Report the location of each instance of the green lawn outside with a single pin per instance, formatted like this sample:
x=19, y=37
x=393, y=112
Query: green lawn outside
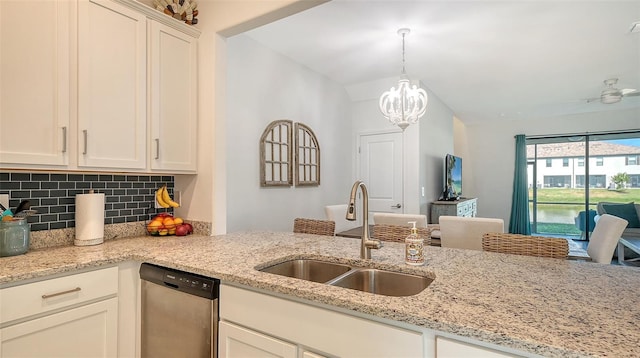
x=559, y=218
x=552, y=195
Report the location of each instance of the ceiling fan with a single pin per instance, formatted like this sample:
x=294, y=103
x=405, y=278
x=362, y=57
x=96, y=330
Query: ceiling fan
x=612, y=94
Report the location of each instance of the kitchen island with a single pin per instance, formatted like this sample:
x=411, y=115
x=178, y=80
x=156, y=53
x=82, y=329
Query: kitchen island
x=539, y=306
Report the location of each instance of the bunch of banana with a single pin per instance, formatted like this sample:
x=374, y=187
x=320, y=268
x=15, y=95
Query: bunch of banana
x=163, y=198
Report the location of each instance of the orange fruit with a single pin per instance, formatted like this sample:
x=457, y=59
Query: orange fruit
x=7, y=218
x=177, y=221
x=163, y=232
x=154, y=226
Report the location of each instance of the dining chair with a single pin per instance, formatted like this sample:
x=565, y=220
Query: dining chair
x=585, y=219
x=604, y=238
x=337, y=214
x=466, y=232
x=399, y=219
x=313, y=226
x=397, y=233
x=517, y=244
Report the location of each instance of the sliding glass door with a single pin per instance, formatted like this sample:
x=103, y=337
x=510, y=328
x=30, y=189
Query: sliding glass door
x=570, y=175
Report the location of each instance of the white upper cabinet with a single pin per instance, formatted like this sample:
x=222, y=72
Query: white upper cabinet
x=111, y=86
x=34, y=83
x=173, y=87
x=97, y=85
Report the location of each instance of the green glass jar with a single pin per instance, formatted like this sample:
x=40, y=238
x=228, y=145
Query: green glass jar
x=15, y=236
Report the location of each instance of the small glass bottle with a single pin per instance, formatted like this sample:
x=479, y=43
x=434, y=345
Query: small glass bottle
x=414, y=247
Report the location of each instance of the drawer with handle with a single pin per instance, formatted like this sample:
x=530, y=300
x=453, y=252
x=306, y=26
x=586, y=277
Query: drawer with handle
x=56, y=293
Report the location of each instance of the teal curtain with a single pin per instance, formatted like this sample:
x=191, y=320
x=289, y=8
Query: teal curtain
x=519, y=220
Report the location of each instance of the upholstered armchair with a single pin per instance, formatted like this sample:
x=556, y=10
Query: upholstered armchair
x=628, y=211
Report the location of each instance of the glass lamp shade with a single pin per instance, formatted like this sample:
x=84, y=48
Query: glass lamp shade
x=405, y=104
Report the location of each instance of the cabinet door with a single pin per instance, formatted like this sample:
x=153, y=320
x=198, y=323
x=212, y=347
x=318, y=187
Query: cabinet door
x=236, y=341
x=173, y=99
x=448, y=348
x=307, y=354
x=34, y=82
x=111, y=86
x=87, y=331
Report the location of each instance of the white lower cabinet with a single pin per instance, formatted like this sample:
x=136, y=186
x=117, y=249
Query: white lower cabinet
x=236, y=341
x=262, y=322
x=449, y=348
x=69, y=316
x=256, y=324
x=307, y=354
x=87, y=331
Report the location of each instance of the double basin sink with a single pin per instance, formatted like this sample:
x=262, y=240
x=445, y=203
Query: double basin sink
x=372, y=280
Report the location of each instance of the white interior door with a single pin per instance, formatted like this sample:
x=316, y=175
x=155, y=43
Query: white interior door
x=381, y=170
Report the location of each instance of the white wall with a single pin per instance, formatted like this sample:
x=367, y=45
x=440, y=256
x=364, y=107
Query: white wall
x=491, y=152
x=204, y=195
x=263, y=86
x=436, y=141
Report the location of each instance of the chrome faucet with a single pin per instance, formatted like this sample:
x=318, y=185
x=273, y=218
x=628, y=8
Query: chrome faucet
x=367, y=243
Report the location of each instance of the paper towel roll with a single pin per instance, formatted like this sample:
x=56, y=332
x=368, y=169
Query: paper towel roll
x=89, y=219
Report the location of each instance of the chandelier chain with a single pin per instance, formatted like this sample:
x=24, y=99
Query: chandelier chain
x=403, y=69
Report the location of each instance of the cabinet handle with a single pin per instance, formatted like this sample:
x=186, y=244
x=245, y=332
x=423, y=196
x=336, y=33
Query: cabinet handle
x=157, y=148
x=64, y=139
x=77, y=289
x=84, y=135
x=397, y=206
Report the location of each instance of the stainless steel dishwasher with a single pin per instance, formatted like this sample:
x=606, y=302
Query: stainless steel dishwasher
x=179, y=313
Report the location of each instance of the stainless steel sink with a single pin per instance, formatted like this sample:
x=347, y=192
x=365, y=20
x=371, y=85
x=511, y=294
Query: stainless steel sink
x=310, y=270
x=383, y=282
x=377, y=281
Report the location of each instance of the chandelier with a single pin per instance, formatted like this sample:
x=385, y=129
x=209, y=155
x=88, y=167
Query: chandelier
x=405, y=104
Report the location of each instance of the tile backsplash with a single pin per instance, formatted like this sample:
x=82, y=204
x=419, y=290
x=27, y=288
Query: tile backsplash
x=128, y=198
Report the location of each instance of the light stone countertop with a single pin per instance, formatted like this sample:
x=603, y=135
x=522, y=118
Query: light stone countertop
x=549, y=307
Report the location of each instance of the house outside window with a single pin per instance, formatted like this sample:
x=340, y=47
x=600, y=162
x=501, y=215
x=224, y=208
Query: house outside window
x=595, y=181
x=632, y=160
x=634, y=180
x=557, y=181
x=565, y=162
x=599, y=161
x=548, y=163
x=581, y=162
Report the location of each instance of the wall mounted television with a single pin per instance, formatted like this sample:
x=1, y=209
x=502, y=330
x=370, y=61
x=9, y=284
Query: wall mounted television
x=453, y=177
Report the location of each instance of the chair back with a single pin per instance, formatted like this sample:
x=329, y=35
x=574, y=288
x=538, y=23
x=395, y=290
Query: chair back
x=337, y=214
x=582, y=219
x=399, y=219
x=313, y=226
x=517, y=244
x=398, y=233
x=605, y=237
x=466, y=233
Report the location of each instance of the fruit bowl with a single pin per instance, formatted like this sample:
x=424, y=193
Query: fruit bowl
x=165, y=224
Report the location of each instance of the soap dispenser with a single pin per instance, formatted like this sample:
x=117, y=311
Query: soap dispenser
x=414, y=247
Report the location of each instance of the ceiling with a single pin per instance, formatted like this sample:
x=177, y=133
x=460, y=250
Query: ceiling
x=486, y=60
